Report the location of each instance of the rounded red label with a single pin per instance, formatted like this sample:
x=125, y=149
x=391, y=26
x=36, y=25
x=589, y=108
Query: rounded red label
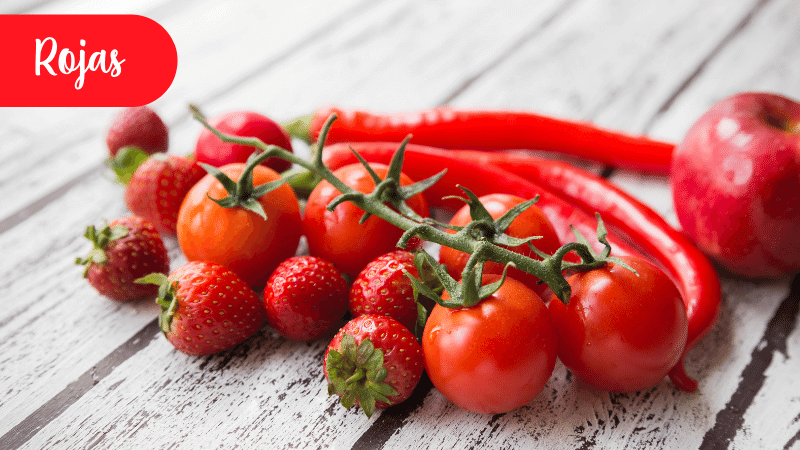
x=84, y=60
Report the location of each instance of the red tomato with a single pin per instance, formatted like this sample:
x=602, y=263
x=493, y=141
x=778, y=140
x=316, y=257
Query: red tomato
x=211, y=150
x=236, y=238
x=621, y=332
x=495, y=356
x=532, y=222
x=336, y=236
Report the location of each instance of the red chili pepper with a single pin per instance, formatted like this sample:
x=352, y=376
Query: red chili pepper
x=580, y=191
x=492, y=130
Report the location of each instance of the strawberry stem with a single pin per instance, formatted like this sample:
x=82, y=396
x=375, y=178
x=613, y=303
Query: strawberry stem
x=100, y=240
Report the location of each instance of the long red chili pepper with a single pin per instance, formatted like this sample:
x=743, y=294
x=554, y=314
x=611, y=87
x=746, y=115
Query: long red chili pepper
x=493, y=130
x=690, y=268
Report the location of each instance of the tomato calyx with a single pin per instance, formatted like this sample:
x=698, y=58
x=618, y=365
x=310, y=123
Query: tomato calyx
x=484, y=241
x=388, y=190
x=242, y=193
x=167, y=298
x=100, y=240
x=356, y=373
x=484, y=227
x=467, y=293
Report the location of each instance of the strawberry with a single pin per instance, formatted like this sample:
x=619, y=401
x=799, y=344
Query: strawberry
x=206, y=308
x=139, y=127
x=373, y=361
x=158, y=187
x=124, y=250
x=382, y=288
x=134, y=134
x=304, y=297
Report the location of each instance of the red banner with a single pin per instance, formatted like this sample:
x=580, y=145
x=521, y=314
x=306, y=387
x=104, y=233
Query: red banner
x=84, y=60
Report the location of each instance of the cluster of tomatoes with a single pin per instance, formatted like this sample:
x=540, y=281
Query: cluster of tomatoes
x=622, y=330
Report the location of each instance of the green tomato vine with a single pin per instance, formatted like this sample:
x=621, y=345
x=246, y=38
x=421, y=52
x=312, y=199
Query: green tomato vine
x=483, y=238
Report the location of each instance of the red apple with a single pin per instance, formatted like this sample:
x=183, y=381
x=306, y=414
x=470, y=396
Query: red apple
x=735, y=182
x=211, y=150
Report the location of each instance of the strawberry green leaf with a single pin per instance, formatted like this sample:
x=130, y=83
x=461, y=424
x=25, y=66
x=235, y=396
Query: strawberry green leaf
x=356, y=373
x=126, y=161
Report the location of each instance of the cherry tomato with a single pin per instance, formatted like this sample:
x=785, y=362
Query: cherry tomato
x=337, y=236
x=532, y=222
x=620, y=332
x=236, y=238
x=495, y=356
x=211, y=150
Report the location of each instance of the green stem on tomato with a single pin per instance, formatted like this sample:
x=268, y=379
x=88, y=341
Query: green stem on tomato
x=549, y=270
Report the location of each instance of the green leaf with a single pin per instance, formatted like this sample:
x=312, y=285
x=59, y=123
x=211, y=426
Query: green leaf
x=348, y=399
x=581, y=239
x=375, y=178
x=263, y=189
x=118, y=232
x=126, y=161
x=348, y=345
x=489, y=289
x=364, y=352
x=511, y=241
x=154, y=278
x=367, y=403
x=422, y=318
x=253, y=205
x=418, y=187
x=383, y=389
x=225, y=180
x=476, y=209
x=374, y=362
x=504, y=221
x=300, y=127
x=396, y=165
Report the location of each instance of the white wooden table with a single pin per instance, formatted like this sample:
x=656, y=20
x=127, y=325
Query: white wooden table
x=78, y=371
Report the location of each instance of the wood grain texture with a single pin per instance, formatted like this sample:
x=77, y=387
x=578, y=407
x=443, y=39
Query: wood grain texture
x=53, y=148
x=81, y=372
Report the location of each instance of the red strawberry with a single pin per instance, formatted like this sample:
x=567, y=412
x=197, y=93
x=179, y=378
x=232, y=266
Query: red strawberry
x=304, y=297
x=124, y=250
x=206, y=308
x=158, y=187
x=138, y=127
x=382, y=288
x=373, y=361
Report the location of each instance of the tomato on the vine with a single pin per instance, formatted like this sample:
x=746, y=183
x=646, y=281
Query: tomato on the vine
x=239, y=239
x=620, y=331
x=532, y=222
x=495, y=356
x=338, y=237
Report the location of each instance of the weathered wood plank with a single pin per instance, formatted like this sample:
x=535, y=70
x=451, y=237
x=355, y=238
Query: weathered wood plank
x=270, y=393
x=67, y=360
x=52, y=148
